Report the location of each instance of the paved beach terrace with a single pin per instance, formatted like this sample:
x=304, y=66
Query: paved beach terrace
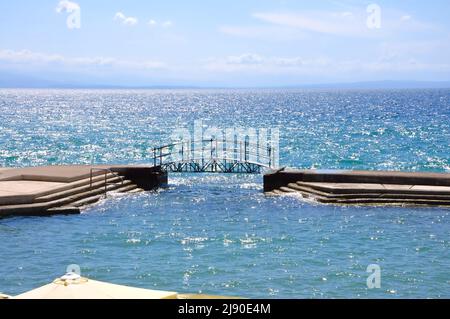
x=52, y=190
x=362, y=187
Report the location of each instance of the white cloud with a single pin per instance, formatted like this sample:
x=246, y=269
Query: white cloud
x=244, y=59
x=285, y=25
x=258, y=64
x=26, y=57
x=128, y=21
x=167, y=24
x=67, y=6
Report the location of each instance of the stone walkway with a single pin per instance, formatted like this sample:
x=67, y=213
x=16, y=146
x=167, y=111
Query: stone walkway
x=362, y=187
x=64, y=189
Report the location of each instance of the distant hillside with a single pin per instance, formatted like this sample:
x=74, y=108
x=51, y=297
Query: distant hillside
x=382, y=85
x=14, y=80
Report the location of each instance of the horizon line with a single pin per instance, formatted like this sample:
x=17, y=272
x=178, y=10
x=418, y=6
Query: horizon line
x=337, y=85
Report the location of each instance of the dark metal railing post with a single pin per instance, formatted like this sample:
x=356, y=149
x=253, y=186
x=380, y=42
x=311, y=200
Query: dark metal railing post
x=182, y=151
x=203, y=154
x=224, y=151
x=106, y=171
x=212, y=149
x=154, y=157
x=269, y=150
x=245, y=153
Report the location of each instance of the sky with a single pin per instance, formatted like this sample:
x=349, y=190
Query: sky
x=232, y=43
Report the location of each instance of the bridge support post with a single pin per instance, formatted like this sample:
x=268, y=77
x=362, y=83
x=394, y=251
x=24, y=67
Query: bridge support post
x=245, y=150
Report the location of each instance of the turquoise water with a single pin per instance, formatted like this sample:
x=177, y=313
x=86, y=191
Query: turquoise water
x=219, y=234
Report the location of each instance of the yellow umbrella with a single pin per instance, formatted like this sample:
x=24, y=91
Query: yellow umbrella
x=73, y=286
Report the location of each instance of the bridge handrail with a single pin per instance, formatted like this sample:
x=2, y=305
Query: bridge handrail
x=262, y=154
x=210, y=140
x=105, y=172
x=199, y=160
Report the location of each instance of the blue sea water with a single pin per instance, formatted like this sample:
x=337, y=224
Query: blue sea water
x=219, y=234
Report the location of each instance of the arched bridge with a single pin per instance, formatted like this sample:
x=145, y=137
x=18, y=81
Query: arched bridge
x=215, y=156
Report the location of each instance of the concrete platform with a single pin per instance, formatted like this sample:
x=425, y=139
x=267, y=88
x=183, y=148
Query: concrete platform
x=25, y=187
x=362, y=187
x=21, y=192
x=61, y=189
x=352, y=188
x=61, y=174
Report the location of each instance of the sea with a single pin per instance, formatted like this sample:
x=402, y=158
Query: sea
x=217, y=233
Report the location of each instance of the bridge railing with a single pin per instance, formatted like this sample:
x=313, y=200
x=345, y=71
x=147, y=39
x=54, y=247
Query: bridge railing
x=191, y=151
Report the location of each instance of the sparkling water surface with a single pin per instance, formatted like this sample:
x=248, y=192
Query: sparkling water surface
x=219, y=234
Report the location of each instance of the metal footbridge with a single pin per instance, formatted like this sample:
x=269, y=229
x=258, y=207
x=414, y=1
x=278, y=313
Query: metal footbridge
x=215, y=156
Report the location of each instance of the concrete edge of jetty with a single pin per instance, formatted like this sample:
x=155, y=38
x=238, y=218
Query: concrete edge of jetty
x=50, y=190
x=378, y=188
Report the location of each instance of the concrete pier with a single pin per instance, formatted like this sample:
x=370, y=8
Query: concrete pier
x=362, y=187
x=52, y=190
